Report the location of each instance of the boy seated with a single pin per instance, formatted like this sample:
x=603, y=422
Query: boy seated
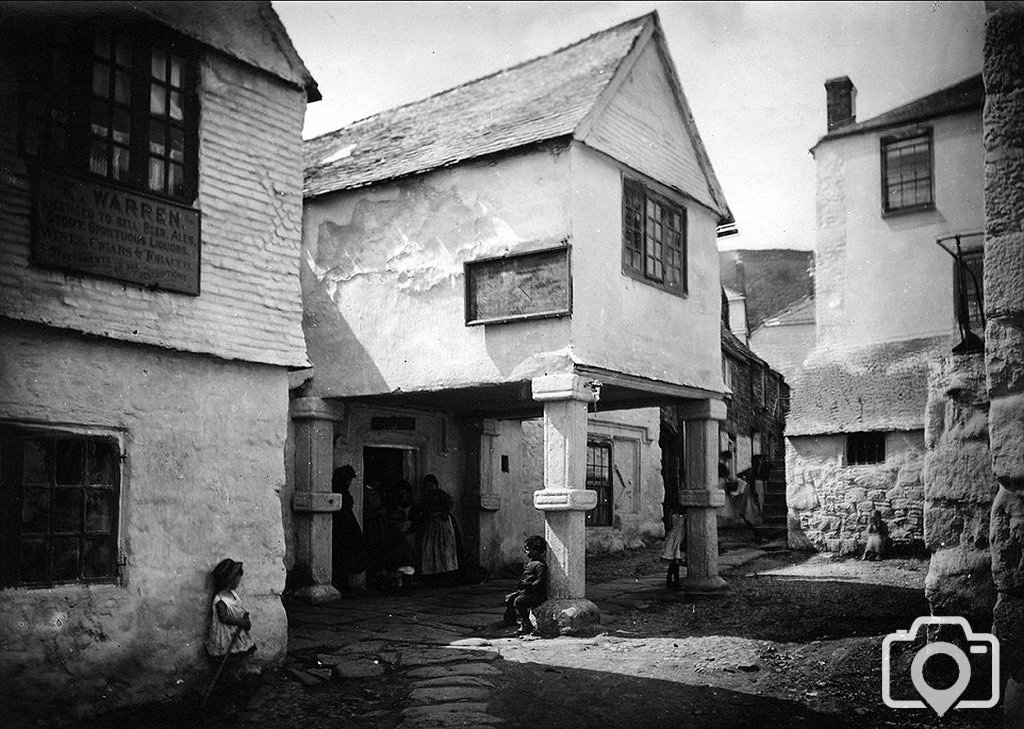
x=532, y=589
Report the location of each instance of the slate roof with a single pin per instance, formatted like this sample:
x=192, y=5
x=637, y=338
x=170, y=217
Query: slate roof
x=540, y=100
x=880, y=387
x=800, y=311
x=963, y=96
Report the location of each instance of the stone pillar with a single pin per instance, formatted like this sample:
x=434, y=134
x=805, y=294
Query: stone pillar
x=1003, y=123
x=314, y=503
x=702, y=496
x=958, y=491
x=565, y=501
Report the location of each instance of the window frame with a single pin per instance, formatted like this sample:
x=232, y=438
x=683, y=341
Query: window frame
x=13, y=489
x=631, y=248
x=974, y=260
x=858, y=448
x=885, y=142
x=79, y=101
x=605, y=491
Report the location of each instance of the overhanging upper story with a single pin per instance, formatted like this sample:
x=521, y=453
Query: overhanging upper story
x=556, y=217
x=152, y=165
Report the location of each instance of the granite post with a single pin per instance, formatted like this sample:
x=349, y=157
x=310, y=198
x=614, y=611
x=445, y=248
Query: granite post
x=565, y=501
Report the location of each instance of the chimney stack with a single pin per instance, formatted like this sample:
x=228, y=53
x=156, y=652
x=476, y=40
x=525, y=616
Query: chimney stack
x=840, y=102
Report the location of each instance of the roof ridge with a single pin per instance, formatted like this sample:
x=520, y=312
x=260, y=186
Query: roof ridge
x=969, y=79
x=640, y=19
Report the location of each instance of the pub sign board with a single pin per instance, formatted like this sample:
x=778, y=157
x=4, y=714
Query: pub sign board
x=88, y=227
x=532, y=285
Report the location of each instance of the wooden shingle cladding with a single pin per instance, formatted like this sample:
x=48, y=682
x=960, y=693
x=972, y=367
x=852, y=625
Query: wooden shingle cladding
x=249, y=196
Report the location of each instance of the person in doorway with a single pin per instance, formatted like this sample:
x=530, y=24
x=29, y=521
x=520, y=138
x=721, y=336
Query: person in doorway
x=532, y=589
x=754, y=478
x=230, y=623
x=439, y=552
x=675, y=547
x=348, y=550
x=737, y=490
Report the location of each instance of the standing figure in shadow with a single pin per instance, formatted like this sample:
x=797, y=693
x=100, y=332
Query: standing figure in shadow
x=439, y=549
x=348, y=551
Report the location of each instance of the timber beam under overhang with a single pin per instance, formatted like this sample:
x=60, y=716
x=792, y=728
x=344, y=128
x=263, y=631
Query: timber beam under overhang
x=514, y=400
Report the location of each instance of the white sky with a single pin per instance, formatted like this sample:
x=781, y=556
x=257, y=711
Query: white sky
x=753, y=72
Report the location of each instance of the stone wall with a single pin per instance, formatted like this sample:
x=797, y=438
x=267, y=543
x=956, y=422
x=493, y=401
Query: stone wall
x=1004, y=307
x=203, y=441
x=958, y=488
x=830, y=502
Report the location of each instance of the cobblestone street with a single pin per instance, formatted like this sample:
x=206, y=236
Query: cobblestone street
x=806, y=654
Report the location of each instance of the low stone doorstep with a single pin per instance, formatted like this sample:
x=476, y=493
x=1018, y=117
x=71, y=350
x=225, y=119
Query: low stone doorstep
x=470, y=643
x=412, y=658
x=448, y=694
x=455, y=680
x=444, y=710
x=458, y=669
x=361, y=669
x=305, y=677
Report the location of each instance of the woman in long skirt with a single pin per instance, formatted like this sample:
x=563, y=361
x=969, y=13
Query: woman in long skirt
x=439, y=552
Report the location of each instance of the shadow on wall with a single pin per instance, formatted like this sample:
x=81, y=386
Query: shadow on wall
x=335, y=351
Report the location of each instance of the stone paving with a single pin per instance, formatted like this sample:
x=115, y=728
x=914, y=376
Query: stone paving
x=442, y=644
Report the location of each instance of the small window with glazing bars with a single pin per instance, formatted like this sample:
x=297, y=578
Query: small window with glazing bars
x=907, y=175
x=599, y=479
x=653, y=239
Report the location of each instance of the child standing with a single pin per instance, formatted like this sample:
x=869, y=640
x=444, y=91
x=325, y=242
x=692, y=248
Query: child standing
x=532, y=589
x=230, y=624
x=675, y=547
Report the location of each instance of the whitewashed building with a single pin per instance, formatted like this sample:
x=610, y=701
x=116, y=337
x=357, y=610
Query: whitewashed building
x=150, y=311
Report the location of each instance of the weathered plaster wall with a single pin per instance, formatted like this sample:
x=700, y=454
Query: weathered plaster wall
x=204, y=440
x=830, y=503
x=637, y=494
x=622, y=324
x=250, y=198
x=1004, y=307
x=856, y=247
x=383, y=281
x=958, y=491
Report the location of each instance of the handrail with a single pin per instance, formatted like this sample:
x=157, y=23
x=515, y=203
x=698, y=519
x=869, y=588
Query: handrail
x=969, y=341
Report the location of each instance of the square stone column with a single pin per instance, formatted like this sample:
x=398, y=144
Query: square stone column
x=565, y=500
x=314, y=503
x=702, y=496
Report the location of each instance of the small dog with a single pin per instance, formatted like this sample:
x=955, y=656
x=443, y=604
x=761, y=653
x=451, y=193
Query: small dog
x=878, y=538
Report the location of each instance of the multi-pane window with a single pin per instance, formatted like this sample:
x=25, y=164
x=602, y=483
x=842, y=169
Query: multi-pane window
x=58, y=507
x=116, y=105
x=599, y=479
x=654, y=238
x=865, y=448
x=907, y=172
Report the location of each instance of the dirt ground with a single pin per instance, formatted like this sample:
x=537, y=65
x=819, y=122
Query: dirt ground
x=796, y=641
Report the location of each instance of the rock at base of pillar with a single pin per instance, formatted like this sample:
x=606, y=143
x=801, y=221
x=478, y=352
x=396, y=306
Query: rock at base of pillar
x=713, y=585
x=567, y=616
x=318, y=594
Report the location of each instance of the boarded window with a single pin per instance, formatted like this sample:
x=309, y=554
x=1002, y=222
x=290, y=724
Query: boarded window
x=599, y=479
x=59, y=516
x=865, y=448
